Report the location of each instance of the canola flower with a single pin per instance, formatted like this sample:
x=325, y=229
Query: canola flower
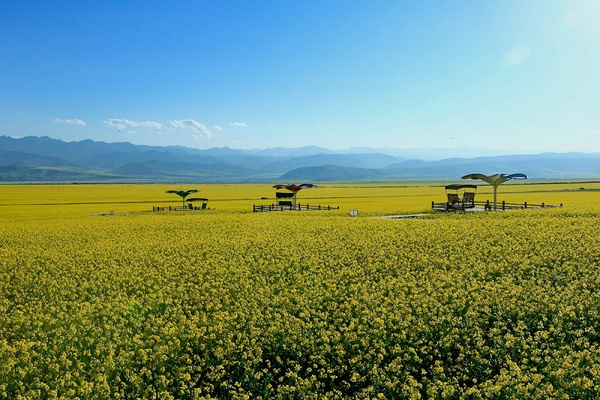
x=297, y=305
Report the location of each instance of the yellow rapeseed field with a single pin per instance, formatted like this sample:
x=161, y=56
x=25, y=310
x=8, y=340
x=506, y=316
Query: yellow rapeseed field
x=226, y=303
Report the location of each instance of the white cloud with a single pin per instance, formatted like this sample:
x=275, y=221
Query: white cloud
x=217, y=128
x=191, y=125
x=123, y=123
x=238, y=124
x=154, y=125
x=116, y=123
x=73, y=121
x=516, y=55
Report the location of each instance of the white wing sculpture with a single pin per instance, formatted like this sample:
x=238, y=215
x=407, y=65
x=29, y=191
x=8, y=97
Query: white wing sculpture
x=495, y=180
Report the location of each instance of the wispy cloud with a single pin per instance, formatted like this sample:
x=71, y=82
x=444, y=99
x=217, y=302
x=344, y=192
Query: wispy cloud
x=74, y=121
x=117, y=123
x=516, y=55
x=191, y=125
x=123, y=123
x=217, y=128
x=154, y=125
x=238, y=124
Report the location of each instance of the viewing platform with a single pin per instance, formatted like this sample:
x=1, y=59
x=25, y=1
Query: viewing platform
x=486, y=206
x=461, y=197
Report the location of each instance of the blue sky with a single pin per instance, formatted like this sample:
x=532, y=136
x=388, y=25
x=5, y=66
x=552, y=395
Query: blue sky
x=519, y=76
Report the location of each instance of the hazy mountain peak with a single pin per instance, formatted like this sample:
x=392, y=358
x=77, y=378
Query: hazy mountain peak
x=25, y=159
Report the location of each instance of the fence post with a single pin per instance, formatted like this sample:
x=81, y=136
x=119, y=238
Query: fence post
x=543, y=205
x=503, y=205
x=525, y=204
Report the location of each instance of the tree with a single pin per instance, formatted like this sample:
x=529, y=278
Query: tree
x=183, y=194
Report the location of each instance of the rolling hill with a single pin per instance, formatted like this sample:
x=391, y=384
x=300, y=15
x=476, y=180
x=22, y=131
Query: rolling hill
x=43, y=159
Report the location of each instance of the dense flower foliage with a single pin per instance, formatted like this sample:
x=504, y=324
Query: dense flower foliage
x=230, y=304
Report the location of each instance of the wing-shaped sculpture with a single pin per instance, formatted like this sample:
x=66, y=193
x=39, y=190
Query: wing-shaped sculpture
x=495, y=180
x=307, y=186
x=474, y=176
x=292, y=187
x=183, y=194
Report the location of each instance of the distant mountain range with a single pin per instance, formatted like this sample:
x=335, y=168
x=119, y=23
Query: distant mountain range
x=43, y=159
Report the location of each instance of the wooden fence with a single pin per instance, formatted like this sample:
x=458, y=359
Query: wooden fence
x=178, y=208
x=487, y=206
x=298, y=207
